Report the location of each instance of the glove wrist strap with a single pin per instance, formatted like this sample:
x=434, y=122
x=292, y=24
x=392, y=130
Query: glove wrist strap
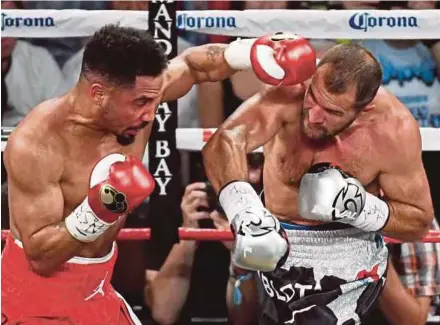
x=84, y=225
x=236, y=197
x=238, y=54
x=374, y=215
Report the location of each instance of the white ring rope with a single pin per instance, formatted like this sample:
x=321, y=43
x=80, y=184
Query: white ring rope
x=328, y=24
x=194, y=139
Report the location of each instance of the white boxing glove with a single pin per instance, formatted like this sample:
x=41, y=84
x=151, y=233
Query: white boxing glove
x=260, y=243
x=328, y=194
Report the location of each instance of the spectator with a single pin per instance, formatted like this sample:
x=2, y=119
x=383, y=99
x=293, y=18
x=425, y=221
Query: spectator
x=190, y=278
x=30, y=76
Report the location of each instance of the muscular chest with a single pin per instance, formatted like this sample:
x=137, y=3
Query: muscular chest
x=354, y=154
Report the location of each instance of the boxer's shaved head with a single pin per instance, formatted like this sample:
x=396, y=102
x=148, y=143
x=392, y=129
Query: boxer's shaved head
x=352, y=65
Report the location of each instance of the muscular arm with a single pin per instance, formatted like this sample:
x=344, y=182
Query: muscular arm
x=36, y=205
x=246, y=312
x=211, y=110
x=395, y=298
x=406, y=187
x=167, y=289
x=193, y=66
x=252, y=125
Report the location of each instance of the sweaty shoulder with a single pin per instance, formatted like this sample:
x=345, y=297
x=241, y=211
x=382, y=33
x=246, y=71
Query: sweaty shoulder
x=396, y=126
x=34, y=149
x=286, y=102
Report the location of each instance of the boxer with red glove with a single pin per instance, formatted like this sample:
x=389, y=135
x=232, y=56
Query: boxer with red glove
x=118, y=184
x=278, y=59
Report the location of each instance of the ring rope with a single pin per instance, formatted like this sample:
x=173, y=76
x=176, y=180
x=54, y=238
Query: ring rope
x=330, y=24
x=194, y=139
x=217, y=235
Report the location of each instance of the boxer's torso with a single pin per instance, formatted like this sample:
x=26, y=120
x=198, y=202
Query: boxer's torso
x=81, y=149
x=359, y=150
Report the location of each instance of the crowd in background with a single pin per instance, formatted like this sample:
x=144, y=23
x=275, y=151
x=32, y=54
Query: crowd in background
x=34, y=70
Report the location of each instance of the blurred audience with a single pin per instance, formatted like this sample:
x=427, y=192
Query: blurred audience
x=30, y=76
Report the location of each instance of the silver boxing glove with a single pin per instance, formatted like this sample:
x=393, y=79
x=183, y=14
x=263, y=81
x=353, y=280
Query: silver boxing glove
x=259, y=241
x=328, y=194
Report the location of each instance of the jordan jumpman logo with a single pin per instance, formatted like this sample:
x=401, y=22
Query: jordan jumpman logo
x=99, y=288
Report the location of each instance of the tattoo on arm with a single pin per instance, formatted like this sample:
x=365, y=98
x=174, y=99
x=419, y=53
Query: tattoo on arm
x=214, y=52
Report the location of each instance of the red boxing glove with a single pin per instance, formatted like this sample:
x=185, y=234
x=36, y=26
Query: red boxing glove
x=283, y=59
x=128, y=184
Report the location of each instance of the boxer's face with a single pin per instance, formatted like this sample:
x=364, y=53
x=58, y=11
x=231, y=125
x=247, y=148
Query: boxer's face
x=325, y=114
x=128, y=110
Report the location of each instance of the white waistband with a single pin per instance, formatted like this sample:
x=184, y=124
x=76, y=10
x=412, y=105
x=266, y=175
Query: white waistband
x=83, y=260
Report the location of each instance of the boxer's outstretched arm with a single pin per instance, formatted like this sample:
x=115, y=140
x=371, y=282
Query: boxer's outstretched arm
x=193, y=66
x=36, y=204
x=405, y=185
x=253, y=124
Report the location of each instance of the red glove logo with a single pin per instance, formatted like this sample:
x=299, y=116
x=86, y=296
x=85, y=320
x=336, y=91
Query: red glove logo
x=113, y=200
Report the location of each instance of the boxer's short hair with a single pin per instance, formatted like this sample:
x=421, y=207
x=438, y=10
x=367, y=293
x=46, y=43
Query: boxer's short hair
x=352, y=64
x=120, y=54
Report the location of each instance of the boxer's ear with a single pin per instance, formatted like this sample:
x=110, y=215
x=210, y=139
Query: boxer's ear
x=97, y=93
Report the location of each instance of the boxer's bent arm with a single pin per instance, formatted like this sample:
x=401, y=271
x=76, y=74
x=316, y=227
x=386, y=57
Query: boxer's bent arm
x=167, y=291
x=36, y=206
x=245, y=313
x=193, y=66
x=405, y=186
x=395, y=298
x=252, y=125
